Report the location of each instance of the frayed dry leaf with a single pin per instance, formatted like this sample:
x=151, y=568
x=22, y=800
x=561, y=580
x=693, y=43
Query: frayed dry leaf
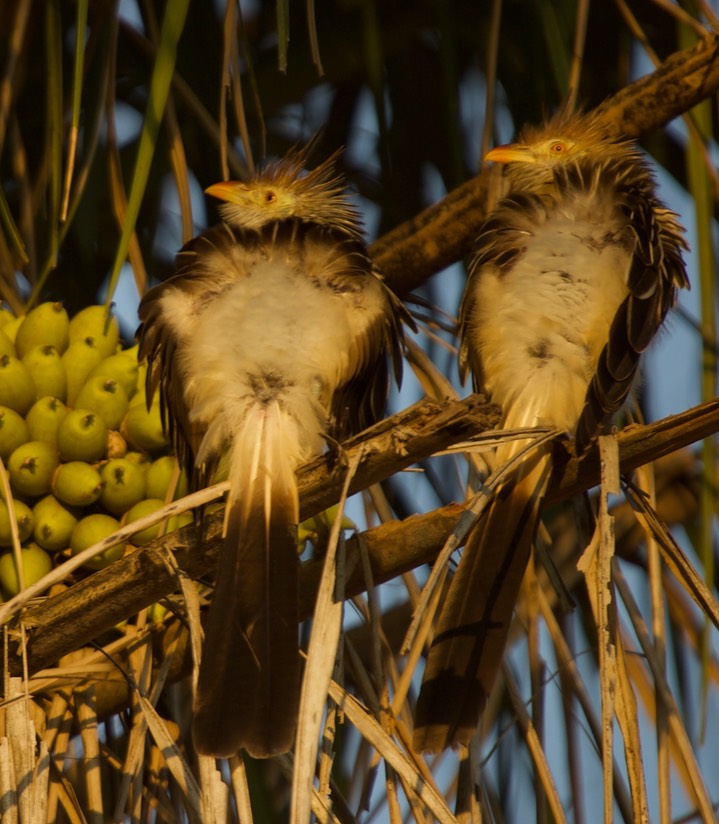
x=432, y=381
x=413, y=655
x=57, y=739
x=321, y=657
x=215, y=794
x=62, y=792
x=595, y=564
x=609, y=460
x=490, y=439
x=87, y=719
x=329, y=732
x=318, y=670
x=88, y=662
x=673, y=555
x=575, y=684
x=378, y=738
x=133, y=763
x=390, y=785
x=141, y=663
x=454, y=540
x=240, y=788
x=20, y=732
x=191, y=598
x=676, y=727
x=176, y=762
x=8, y=785
x=652, y=698
x=628, y=718
x=646, y=479
x=321, y=810
x=622, y=695
x=41, y=782
x=534, y=745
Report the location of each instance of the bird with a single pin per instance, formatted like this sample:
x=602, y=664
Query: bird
x=274, y=337
x=571, y=277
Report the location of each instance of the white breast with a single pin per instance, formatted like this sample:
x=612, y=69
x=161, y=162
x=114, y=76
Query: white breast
x=273, y=333
x=541, y=325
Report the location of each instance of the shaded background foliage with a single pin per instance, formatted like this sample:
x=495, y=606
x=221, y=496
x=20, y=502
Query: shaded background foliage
x=415, y=69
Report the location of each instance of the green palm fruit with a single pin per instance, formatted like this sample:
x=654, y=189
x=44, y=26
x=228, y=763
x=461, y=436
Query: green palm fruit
x=317, y=528
x=82, y=436
x=142, y=428
x=156, y=613
x=184, y=519
x=36, y=563
x=123, y=368
x=23, y=519
x=106, y=397
x=13, y=431
x=140, y=396
x=91, y=530
x=159, y=475
x=142, y=509
x=31, y=467
x=17, y=389
x=44, y=418
x=124, y=485
x=47, y=323
x=80, y=358
x=7, y=347
x=142, y=459
x=95, y=322
x=47, y=371
x=329, y=516
x=76, y=483
x=53, y=523
x=12, y=326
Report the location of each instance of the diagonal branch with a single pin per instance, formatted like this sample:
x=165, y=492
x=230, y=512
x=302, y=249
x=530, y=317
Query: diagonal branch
x=67, y=621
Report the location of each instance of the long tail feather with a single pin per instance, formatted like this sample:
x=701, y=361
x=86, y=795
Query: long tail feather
x=467, y=650
x=248, y=689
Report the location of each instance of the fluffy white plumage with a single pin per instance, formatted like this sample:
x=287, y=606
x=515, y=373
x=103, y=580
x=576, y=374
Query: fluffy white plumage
x=573, y=274
x=274, y=333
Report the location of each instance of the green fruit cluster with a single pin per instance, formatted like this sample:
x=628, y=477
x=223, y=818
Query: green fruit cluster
x=82, y=451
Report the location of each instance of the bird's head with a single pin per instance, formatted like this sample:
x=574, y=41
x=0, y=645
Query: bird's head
x=283, y=189
x=532, y=160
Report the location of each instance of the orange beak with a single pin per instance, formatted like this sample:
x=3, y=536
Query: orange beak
x=227, y=190
x=509, y=153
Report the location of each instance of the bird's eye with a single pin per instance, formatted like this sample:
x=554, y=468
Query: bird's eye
x=558, y=147
x=270, y=197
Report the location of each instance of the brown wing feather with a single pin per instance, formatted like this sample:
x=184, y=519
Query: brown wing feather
x=656, y=271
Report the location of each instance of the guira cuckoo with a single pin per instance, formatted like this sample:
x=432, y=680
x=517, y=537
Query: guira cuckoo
x=274, y=332
x=572, y=276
